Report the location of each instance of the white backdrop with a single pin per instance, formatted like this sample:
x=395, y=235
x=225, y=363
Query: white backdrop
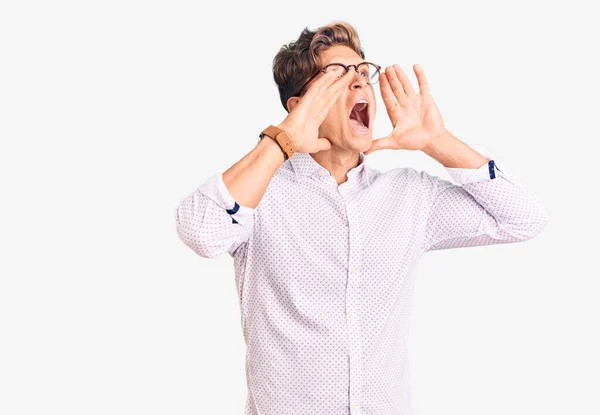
x=112, y=112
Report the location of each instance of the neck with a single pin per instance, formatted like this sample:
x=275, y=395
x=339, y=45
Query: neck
x=338, y=163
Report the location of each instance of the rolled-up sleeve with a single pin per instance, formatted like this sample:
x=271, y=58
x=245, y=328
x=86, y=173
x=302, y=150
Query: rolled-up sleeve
x=210, y=221
x=487, y=205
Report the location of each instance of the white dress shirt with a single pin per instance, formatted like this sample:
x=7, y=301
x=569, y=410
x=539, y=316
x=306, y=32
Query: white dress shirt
x=325, y=273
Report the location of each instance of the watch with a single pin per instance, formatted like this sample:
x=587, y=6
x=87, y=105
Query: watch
x=282, y=138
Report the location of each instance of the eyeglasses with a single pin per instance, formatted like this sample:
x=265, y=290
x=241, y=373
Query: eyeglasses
x=367, y=69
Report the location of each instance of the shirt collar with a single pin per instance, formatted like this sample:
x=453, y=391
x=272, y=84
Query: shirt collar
x=304, y=165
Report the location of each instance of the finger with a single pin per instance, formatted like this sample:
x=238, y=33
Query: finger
x=422, y=79
x=313, y=98
x=390, y=72
x=404, y=80
x=323, y=80
x=380, y=144
x=386, y=92
x=323, y=144
x=331, y=91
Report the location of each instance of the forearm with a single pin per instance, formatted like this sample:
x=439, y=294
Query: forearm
x=248, y=179
x=452, y=152
x=484, y=210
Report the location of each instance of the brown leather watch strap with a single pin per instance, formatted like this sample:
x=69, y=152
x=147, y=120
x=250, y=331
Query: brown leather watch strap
x=282, y=138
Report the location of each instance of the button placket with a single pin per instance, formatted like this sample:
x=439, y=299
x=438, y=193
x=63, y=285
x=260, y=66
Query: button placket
x=352, y=297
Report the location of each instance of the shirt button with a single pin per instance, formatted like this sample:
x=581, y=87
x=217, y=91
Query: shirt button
x=324, y=173
x=350, y=315
x=353, y=227
x=352, y=269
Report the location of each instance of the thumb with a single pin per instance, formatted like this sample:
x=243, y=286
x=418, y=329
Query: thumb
x=323, y=144
x=380, y=144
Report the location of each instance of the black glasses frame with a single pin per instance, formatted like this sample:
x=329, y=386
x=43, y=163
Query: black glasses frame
x=346, y=67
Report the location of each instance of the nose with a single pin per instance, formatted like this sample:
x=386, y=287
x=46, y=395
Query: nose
x=358, y=81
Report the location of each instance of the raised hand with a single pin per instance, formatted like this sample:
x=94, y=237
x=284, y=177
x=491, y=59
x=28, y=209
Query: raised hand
x=304, y=120
x=415, y=118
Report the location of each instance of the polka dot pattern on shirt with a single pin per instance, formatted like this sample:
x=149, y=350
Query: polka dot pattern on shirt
x=325, y=272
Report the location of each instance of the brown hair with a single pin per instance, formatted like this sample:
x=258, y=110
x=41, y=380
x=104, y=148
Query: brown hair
x=297, y=61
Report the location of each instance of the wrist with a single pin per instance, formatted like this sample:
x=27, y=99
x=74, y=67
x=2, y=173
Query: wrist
x=285, y=127
x=272, y=148
x=436, y=140
x=281, y=135
x=290, y=131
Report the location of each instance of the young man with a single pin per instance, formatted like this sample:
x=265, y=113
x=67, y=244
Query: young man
x=325, y=247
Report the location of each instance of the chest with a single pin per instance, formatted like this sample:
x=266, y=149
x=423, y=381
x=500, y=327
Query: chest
x=310, y=236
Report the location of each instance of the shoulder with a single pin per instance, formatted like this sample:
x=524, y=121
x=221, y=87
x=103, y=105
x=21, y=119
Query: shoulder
x=406, y=176
x=411, y=181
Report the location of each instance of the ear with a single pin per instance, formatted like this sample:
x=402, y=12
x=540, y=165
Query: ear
x=291, y=103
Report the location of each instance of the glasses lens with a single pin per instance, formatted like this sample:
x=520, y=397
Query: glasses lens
x=369, y=71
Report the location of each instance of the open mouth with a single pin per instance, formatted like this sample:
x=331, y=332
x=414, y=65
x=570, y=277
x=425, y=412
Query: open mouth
x=359, y=116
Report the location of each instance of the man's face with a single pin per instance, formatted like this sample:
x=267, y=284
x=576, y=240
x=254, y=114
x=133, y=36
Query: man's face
x=338, y=126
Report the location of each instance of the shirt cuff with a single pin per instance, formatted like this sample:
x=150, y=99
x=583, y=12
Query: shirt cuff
x=214, y=188
x=488, y=171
